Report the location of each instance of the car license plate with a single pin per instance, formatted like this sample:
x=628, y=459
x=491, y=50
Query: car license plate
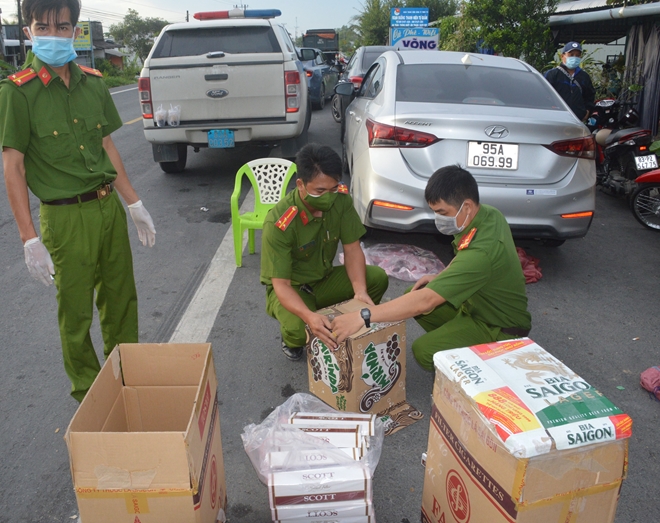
x=646, y=162
x=221, y=138
x=489, y=155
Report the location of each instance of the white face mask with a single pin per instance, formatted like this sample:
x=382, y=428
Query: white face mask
x=447, y=224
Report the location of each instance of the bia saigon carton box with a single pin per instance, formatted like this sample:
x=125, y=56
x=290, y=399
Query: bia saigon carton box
x=516, y=436
x=367, y=373
x=145, y=445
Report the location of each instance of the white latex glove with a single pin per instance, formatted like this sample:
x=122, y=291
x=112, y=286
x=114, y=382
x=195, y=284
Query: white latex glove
x=144, y=223
x=38, y=261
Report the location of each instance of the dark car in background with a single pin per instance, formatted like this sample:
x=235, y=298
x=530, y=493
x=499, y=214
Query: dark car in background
x=354, y=72
x=322, y=75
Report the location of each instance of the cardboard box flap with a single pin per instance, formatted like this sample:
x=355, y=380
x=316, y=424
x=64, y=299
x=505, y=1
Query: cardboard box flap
x=532, y=401
x=352, y=306
x=128, y=460
x=163, y=364
x=99, y=401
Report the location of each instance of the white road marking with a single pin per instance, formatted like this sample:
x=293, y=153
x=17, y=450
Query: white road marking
x=124, y=91
x=198, y=319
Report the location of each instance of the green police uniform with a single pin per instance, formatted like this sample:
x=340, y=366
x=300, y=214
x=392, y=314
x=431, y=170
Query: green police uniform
x=60, y=131
x=485, y=291
x=298, y=247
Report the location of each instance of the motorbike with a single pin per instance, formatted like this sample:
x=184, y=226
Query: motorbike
x=645, y=200
x=624, y=164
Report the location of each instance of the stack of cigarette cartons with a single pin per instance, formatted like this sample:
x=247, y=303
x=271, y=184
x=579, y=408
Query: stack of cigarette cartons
x=328, y=483
x=367, y=372
x=518, y=437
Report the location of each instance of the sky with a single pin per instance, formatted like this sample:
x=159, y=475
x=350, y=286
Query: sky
x=297, y=15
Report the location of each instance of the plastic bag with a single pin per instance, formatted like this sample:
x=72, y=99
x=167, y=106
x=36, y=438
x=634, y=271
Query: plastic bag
x=160, y=116
x=405, y=262
x=174, y=115
x=530, y=266
x=650, y=380
x=276, y=435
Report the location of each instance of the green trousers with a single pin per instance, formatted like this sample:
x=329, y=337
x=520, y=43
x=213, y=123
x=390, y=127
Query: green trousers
x=334, y=288
x=89, y=245
x=450, y=328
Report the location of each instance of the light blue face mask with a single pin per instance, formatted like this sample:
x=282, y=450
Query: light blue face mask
x=572, y=62
x=53, y=50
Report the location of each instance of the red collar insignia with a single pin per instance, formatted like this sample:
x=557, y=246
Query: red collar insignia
x=342, y=188
x=304, y=218
x=465, y=241
x=44, y=75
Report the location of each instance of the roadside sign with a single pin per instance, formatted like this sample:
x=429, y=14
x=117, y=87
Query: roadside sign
x=409, y=16
x=84, y=40
x=414, y=38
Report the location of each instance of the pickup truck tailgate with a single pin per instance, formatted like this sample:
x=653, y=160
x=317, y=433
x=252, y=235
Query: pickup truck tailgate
x=235, y=87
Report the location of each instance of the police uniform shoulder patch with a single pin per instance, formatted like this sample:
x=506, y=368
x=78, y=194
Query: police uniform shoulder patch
x=286, y=219
x=89, y=70
x=465, y=241
x=23, y=77
x=342, y=188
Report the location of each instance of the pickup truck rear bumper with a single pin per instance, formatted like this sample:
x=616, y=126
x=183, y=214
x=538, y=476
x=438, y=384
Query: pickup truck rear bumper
x=252, y=131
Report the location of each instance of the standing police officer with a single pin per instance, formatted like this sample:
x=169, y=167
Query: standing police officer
x=56, y=118
x=299, y=242
x=480, y=296
x=572, y=83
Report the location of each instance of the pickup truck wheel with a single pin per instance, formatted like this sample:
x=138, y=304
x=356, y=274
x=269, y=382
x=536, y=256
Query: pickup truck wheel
x=180, y=164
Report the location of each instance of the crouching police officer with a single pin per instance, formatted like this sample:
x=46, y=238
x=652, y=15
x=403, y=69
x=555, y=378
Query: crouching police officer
x=299, y=242
x=480, y=296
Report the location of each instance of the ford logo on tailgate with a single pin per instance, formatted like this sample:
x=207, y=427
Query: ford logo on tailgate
x=217, y=93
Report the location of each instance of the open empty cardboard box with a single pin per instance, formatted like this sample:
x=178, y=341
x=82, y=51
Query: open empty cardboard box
x=145, y=444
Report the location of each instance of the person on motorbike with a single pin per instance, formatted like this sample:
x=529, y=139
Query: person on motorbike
x=573, y=83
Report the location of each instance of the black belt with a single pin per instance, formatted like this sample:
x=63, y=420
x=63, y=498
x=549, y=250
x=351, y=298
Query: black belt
x=515, y=331
x=98, y=194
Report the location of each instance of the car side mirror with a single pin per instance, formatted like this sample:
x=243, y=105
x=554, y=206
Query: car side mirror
x=345, y=89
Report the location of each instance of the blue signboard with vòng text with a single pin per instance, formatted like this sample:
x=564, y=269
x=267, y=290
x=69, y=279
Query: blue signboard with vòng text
x=409, y=17
x=414, y=38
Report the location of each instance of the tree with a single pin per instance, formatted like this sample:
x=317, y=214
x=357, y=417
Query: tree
x=348, y=38
x=517, y=28
x=373, y=23
x=137, y=33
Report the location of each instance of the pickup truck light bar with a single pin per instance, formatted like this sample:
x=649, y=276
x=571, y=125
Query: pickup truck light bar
x=238, y=13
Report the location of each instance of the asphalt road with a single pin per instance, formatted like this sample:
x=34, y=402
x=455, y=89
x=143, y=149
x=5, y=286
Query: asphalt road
x=595, y=308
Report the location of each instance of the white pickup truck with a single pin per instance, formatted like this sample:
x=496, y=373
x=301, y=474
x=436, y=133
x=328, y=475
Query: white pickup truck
x=235, y=79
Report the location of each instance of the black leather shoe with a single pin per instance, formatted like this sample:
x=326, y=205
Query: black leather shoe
x=293, y=353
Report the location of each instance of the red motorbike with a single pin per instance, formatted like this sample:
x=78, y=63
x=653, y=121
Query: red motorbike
x=645, y=201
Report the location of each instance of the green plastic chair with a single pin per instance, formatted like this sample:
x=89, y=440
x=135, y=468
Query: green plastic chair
x=269, y=178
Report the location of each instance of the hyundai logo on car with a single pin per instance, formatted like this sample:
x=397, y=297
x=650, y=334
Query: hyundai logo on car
x=496, y=131
x=217, y=93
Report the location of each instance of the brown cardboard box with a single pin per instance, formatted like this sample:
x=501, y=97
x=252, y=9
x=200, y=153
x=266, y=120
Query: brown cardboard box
x=145, y=444
x=472, y=475
x=367, y=373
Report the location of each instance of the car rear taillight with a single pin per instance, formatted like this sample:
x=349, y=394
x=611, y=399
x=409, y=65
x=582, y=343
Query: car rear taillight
x=309, y=73
x=356, y=81
x=144, y=90
x=383, y=135
x=575, y=148
x=292, y=91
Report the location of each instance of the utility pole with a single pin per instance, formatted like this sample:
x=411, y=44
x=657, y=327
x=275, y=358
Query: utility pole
x=295, y=30
x=21, y=36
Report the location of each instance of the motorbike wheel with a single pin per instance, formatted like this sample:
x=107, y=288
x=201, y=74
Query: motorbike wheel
x=336, y=108
x=645, y=205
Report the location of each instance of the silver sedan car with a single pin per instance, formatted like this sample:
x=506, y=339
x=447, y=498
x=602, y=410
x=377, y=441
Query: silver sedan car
x=417, y=111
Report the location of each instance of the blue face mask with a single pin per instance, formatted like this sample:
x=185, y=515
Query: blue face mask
x=53, y=50
x=572, y=62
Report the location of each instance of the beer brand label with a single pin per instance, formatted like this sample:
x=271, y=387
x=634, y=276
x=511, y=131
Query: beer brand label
x=381, y=369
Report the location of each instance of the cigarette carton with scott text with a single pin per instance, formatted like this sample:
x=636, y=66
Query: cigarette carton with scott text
x=145, y=444
x=367, y=372
x=518, y=437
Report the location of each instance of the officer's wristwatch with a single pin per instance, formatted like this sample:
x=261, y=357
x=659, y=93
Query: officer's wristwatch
x=366, y=316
